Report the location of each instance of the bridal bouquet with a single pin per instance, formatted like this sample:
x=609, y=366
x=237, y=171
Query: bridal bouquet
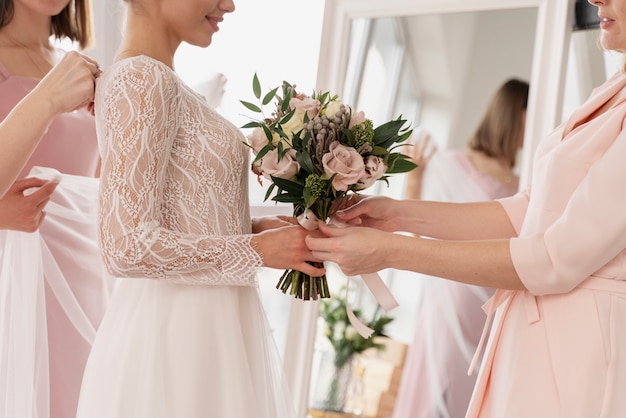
x=315, y=150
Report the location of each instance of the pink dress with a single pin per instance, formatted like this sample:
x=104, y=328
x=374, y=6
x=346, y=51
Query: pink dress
x=559, y=349
x=43, y=352
x=450, y=320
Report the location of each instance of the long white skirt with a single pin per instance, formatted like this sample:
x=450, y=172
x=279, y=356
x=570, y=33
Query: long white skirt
x=179, y=351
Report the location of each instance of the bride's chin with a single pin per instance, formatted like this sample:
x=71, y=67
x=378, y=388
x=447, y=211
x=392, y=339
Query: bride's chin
x=203, y=43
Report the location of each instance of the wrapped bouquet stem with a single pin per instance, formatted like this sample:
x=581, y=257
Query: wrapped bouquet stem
x=316, y=151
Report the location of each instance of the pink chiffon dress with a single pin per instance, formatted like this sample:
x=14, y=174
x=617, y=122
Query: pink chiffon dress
x=53, y=290
x=450, y=319
x=559, y=348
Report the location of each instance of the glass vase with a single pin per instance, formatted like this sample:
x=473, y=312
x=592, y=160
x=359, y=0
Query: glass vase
x=331, y=386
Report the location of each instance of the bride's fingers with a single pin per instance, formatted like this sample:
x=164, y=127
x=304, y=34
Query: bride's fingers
x=311, y=270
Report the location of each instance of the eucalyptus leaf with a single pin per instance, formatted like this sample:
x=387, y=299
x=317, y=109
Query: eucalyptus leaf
x=256, y=86
x=269, y=96
x=252, y=125
x=251, y=106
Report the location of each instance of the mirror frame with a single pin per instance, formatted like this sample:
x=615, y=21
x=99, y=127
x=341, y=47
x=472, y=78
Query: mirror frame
x=554, y=25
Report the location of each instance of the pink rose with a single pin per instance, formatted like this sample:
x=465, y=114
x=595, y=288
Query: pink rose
x=346, y=163
x=307, y=104
x=269, y=165
x=375, y=168
x=257, y=139
x=356, y=118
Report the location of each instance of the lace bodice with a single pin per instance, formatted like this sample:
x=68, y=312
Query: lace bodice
x=174, y=189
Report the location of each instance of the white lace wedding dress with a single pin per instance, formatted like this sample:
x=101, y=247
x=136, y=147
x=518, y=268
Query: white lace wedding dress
x=185, y=335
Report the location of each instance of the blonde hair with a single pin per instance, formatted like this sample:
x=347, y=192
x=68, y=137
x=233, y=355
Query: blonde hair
x=498, y=134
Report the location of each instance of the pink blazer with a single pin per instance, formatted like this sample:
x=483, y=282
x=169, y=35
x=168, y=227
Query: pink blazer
x=559, y=349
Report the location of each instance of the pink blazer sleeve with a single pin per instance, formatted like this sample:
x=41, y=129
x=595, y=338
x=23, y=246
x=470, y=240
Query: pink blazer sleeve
x=515, y=207
x=589, y=237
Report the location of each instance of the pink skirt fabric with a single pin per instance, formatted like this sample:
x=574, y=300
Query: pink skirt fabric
x=556, y=355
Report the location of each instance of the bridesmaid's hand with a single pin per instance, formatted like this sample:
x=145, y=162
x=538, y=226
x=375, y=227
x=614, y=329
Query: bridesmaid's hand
x=25, y=213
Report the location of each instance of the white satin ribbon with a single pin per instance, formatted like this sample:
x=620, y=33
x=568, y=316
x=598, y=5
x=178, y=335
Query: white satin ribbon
x=374, y=282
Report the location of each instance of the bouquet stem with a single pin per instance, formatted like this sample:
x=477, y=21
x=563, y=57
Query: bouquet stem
x=303, y=286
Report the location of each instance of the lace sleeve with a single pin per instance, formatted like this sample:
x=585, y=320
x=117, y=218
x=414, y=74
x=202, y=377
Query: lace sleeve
x=138, y=120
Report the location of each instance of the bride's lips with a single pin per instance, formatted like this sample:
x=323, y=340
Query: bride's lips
x=214, y=21
x=605, y=22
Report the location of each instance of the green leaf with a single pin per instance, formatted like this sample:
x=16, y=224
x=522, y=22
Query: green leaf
x=263, y=151
x=287, y=117
x=287, y=198
x=251, y=106
x=269, y=192
x=251, y=125
x=399, y=165
x=304, y=159
x=288, y=185
x=256, y=86
x=286, y=100
x=387, y=133
x=269, y=96
x=268, y=132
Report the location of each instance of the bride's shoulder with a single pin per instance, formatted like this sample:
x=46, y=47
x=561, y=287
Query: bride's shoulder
x=139, y=73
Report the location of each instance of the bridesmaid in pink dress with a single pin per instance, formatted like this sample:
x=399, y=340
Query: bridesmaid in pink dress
x=555, y=252
x=67, y=87
x=41, y=366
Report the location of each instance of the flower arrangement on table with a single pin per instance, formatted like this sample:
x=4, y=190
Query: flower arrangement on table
x=338, y=368
x=315, y=150
x=346, y=342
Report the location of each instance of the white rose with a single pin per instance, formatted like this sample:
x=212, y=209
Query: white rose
x=333, y=108
x=294, y=125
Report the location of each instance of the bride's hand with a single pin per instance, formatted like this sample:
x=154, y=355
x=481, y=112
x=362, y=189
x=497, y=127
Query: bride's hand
x=284, y=248
x=271, y=222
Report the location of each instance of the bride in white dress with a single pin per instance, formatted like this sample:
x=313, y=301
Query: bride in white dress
x=185, y=335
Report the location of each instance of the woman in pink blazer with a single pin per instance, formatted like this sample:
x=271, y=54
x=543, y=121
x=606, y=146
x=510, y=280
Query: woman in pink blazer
x=556, y=252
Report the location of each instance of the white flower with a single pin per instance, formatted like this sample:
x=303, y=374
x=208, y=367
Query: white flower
x=294, y=125
x=333, y=108
x=338, y=332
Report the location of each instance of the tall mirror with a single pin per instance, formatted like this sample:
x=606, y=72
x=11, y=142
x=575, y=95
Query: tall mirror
x=437, y=63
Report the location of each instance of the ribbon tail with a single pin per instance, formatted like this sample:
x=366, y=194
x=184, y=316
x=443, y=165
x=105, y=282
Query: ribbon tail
x=381, y=292
x=363, y=330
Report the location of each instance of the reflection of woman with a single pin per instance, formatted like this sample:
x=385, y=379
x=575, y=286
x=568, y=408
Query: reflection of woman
x=185, y=334
x=52, y=288
x=435, y=382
